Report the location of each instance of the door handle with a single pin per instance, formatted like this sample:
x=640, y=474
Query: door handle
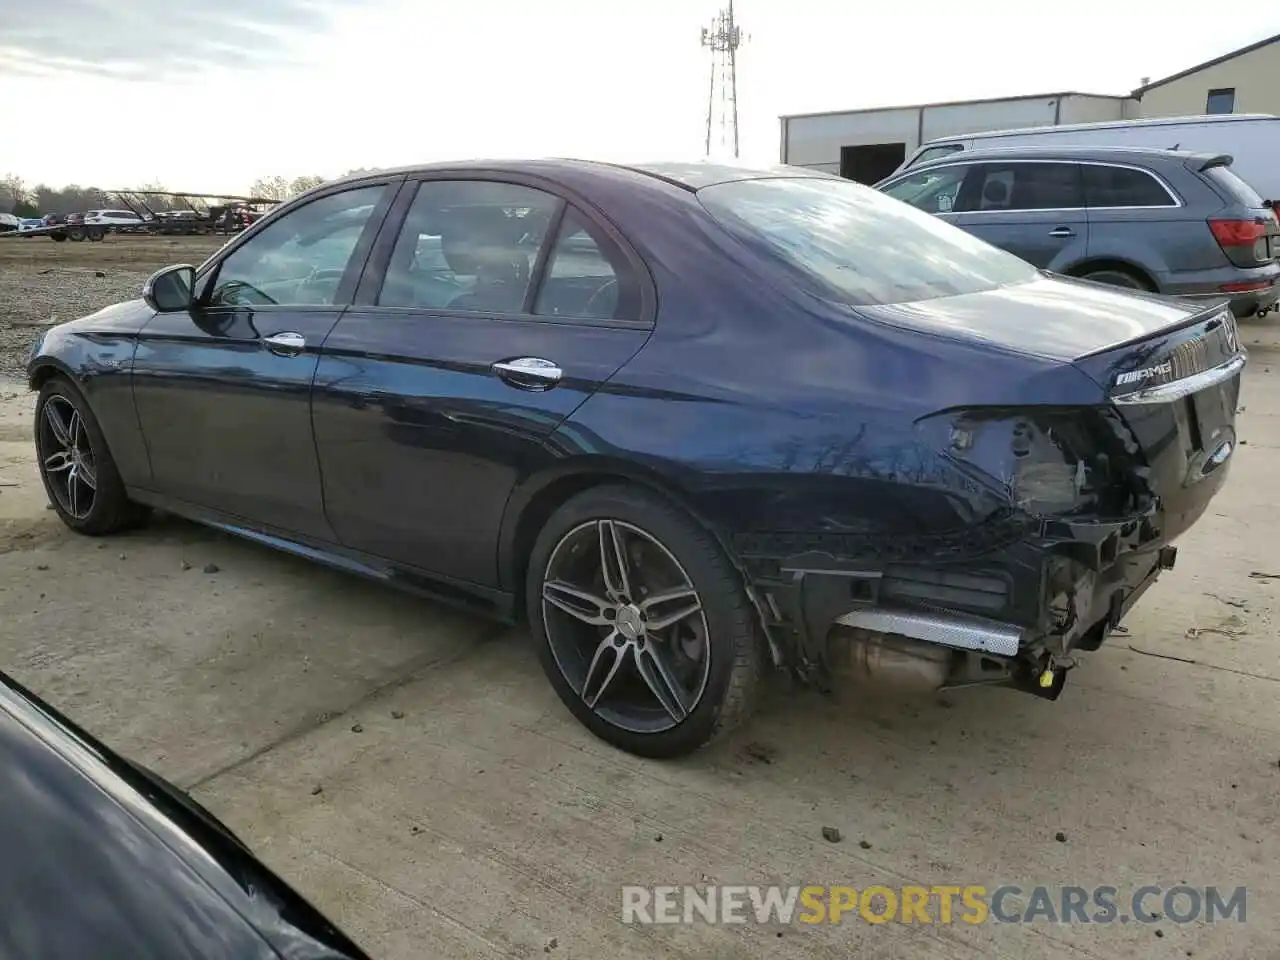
x=285, y=344
x=528, y=373
x=1062, y=232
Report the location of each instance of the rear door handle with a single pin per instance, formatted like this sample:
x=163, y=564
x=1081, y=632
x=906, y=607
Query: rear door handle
x=1062, y=232
x=528, y=373
x=285, y=344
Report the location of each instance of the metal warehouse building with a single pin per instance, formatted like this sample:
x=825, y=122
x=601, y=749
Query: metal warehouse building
x=868, y=145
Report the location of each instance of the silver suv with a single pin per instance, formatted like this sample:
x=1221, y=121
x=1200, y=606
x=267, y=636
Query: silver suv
x=1169, y=222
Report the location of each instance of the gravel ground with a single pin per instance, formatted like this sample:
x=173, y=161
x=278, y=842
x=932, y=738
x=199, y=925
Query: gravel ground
x=42, y=282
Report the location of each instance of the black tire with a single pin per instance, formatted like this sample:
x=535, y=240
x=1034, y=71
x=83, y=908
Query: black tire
x=728, y=631
x=95, y=234
x=58, y=237
x=111, y=510
x=1116, y=277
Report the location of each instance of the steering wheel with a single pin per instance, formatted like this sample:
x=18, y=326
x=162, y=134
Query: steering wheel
x=604, y=288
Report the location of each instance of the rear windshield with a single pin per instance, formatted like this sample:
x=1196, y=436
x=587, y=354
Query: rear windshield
x=1232, y=186
x=858, y=245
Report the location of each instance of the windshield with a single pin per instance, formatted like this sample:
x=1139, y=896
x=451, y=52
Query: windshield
x=857, y=245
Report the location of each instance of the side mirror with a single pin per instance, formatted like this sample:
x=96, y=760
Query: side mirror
x=169, y=290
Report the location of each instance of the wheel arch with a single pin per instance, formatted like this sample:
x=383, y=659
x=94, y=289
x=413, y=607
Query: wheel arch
x=44, y=370
x=1113, y=263
x=534, y=501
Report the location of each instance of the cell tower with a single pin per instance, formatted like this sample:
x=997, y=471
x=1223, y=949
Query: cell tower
x=723, y=38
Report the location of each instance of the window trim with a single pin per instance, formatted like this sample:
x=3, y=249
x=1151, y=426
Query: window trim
x=971, y=162
x=207, y=272
x=366, y=294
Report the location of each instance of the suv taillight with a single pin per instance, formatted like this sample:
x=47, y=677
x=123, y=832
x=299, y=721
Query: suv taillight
x=1243, y=241
x=1237, y=233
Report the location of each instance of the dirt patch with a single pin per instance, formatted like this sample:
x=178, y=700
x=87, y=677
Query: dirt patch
x=43, y=283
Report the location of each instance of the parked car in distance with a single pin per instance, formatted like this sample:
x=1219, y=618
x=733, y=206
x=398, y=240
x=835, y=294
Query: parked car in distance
x=1253, y=139
x=9, y=223
x=689, y=420
x=103, y=858
x=117, y=220
x=1181, y=224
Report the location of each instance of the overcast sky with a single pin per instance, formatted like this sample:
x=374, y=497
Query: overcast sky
x=211, y=94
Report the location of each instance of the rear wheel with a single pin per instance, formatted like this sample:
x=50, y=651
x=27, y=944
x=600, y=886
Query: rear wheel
x=95, y=233
x=76, y=466
x=1116, y=277
x=642, y=623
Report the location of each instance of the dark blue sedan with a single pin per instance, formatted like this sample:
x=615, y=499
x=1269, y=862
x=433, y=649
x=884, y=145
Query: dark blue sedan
x=692, y=421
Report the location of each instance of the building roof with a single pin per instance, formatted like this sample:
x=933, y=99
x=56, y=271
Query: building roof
x=1208, y=63
x=957, y=103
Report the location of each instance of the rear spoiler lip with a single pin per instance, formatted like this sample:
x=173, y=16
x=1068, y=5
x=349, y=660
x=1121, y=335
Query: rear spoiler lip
x=1217, y=160
x=1203, y=315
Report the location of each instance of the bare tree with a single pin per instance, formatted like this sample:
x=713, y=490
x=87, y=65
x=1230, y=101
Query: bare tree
x=13, y=191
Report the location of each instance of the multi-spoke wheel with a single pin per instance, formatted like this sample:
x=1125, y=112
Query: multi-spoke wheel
x=79, y=474
x=643, y=625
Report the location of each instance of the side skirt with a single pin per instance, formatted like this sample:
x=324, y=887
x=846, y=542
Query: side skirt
x=485, y=601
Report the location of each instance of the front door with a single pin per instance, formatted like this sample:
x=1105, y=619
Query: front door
x=501, y=310
x=1034, y=209
x=223, y=392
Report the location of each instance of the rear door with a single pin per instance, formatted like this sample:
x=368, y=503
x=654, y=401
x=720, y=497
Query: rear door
x=492, y=309
x=1135, y=217
x=1032, y=208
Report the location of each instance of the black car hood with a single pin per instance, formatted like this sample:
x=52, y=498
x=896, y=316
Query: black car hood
x=1056, y=318
x=100, y=857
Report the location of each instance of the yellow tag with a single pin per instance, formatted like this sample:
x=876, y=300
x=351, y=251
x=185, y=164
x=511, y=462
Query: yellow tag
x=1046, y=679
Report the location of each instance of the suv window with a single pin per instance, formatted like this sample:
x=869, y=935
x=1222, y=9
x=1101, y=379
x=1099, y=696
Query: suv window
x=1122, y=187
x=468, y=245
x=932, y=153
x=300, y=258
x=1229, y=183
x=587, y=276
x=856, y=245
x=933, y=191
x=1024, y=186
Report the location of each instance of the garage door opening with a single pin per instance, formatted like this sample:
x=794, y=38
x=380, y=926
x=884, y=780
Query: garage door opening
x=872, y=162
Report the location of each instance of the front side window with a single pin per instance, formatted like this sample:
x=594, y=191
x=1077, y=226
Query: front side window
x=855, y=245
x=301, y=258
x=932, y=153
x=1026, y=186
x=587, y=276
x=468, y=245
x=1123, y=187
x=933, y=191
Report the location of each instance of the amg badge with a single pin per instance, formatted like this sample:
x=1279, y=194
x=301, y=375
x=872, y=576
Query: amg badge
x=1145, y=373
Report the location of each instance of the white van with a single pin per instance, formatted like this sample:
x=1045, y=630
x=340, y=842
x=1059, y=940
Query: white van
x=1251, y=139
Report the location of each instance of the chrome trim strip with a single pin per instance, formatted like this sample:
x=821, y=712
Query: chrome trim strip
x=1168, y=392
x=962, y=633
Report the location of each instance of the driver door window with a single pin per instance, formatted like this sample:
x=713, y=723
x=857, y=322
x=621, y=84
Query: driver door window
x=933, y=191
x=299, y=259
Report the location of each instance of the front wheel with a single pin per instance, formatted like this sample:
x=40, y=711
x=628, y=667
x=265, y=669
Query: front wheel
x=76, y=466
x=642, y=624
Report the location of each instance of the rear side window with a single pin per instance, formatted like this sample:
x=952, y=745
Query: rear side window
x=1123, y=187
x=587, y=276
x=1024, y=186
x=1232, y=187
x=855, y=245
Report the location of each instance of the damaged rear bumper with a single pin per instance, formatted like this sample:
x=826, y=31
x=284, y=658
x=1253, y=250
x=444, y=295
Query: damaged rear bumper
x=1002, y=616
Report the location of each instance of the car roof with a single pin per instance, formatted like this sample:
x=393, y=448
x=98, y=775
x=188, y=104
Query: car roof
x=689, y=175
x=1135, y=154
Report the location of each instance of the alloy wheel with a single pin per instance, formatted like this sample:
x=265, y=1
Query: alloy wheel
x=626, y=626
x=66, y=457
